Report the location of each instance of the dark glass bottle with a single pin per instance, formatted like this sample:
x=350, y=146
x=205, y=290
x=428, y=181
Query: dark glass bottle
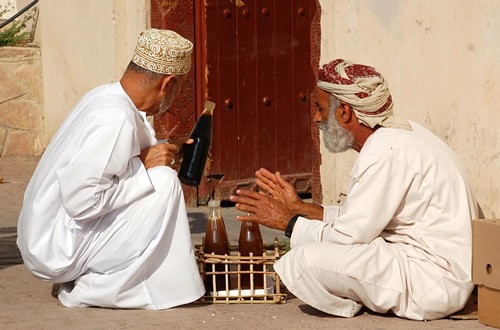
x=250, y=241
x=195, y=154
x=216, y=241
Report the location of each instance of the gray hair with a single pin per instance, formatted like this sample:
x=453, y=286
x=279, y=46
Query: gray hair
x=334, y=103
x=149, y=77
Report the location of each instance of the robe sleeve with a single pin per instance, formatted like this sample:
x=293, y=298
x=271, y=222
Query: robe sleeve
x=377, y=188
x=330, y=213
x=106, y=175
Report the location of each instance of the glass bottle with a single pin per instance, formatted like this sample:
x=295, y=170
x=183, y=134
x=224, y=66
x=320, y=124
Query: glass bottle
x=250, y=241
x=195, y=154
x=216, y=241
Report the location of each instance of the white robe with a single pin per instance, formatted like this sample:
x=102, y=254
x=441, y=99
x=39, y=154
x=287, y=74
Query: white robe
x=93, y=214
x=402, y=239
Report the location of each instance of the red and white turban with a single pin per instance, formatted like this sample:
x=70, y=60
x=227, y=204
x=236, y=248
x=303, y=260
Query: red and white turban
x=364, y=89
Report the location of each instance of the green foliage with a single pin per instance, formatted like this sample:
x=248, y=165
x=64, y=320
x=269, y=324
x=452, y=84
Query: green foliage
x=12, y=34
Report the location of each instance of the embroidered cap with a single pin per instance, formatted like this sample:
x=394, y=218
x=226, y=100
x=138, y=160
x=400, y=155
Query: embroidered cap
x=163, y=51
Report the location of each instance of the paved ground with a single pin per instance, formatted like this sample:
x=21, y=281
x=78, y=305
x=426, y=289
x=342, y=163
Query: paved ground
x=26, y=303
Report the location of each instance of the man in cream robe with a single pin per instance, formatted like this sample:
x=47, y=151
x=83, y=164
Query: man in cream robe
x=104, y=212
x=401, y=241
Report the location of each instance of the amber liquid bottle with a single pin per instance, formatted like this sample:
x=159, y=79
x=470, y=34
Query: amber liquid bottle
x=251, y=241
x=195, y=154
x=216, y=242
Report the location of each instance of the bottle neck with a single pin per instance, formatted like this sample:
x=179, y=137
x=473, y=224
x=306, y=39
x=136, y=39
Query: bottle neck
x=249, y=225
x=249, y=228
x=208, y=112
x=214, y=212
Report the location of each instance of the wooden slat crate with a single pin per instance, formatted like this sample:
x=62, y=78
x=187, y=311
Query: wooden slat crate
x=272, y=291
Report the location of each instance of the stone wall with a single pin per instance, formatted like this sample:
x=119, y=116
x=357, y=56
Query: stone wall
x=21, y=108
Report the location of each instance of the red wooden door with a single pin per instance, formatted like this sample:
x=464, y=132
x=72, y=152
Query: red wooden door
x=253, y=59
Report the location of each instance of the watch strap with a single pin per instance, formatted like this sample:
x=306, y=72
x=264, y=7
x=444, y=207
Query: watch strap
x=291, y=224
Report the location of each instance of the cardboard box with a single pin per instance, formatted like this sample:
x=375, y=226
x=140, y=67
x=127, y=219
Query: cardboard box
x=486, y=269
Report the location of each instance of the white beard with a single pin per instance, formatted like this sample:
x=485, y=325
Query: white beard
x=165, y=105
x=163, y=109
x=336, y=138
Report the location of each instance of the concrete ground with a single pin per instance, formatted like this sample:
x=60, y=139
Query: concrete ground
x=26, y=303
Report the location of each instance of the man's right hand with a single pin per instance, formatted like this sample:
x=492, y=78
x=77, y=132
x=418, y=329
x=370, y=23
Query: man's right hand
x=279, y=188
x=163, y=154
x=261, y=208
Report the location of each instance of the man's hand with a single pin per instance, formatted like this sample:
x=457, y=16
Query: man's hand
x=163, y=154
x=279, y=188
x=263, y=209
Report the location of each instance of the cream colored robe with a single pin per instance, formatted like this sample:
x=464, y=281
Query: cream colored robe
x=93, y=214
x=402, y=239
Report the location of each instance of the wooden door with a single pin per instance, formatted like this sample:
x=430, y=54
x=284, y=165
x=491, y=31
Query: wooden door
x=253, y=59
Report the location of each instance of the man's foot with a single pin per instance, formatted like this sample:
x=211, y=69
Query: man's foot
x=55, y=290
x=57, y=286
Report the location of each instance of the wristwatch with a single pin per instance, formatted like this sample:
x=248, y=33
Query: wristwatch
x=291, y=224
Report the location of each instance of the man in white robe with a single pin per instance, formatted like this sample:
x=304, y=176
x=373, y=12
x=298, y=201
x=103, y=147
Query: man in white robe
x=401, y=241
x=104, y=212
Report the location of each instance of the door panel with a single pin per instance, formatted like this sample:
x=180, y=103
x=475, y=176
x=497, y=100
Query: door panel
x=247, y=82
x=284, y=89
x=302, y=76
x=265, y=105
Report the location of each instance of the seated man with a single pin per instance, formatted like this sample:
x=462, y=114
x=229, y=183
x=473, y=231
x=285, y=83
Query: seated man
x=104, y=212
x=401, y=241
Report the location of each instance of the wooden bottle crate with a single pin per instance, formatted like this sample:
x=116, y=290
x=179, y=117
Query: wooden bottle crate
x=232, y=293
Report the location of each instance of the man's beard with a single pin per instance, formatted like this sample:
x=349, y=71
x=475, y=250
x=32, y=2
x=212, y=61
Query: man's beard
x=165, y=104
x=336, y=138
x=163, y=108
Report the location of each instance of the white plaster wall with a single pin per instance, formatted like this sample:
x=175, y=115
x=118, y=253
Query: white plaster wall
x=10, y=8
x=84, y=44
x=441, y=59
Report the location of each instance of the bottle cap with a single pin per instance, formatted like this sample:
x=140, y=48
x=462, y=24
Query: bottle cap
x=214, y=203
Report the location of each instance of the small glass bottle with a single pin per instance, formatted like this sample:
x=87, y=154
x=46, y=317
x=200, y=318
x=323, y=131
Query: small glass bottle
x=250, y=241
x=216, y=242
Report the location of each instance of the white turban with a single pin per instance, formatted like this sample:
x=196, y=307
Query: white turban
x=364, y=89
